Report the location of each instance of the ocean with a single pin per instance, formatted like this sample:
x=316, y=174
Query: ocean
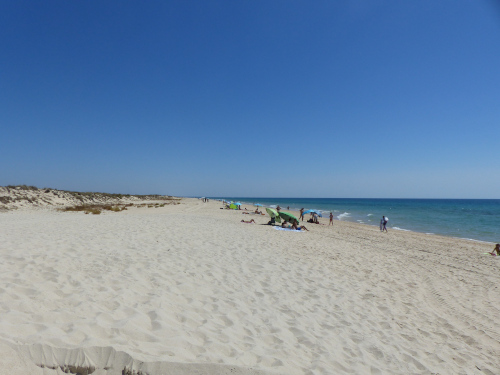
x=473, y=219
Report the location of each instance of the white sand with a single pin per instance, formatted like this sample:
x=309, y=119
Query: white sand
x=188, y=289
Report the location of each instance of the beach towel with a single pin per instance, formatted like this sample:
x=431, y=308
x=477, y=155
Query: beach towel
x=288, y=229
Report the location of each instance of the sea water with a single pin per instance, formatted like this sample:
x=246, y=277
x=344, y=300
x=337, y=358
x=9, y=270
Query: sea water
x=474, y=219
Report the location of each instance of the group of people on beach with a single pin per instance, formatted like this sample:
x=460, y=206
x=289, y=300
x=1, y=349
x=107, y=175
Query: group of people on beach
x=294, y=224
x=314, y=219
x=257, y=212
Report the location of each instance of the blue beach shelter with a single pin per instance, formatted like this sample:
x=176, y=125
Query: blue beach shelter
x=313, y=212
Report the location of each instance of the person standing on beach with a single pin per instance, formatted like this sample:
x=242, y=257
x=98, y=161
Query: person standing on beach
x=383, y=223
x=278, y=208
x=315, y=218
x=331, y=218
x=301, y=217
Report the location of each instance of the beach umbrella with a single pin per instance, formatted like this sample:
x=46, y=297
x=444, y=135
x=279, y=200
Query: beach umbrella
x=238, y=203
x=258, y=205
x=312, y=212
x=274, y=214
x=288, y=217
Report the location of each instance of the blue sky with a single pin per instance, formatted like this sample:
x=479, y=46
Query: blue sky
x=397, y=99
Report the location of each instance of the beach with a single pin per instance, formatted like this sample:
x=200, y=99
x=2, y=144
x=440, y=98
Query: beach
x=190, y=289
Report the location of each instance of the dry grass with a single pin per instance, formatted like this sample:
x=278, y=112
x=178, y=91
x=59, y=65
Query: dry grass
x=96, y=209
x=69, y=369
x=127, y=371
x=113, y=208
x=6, y=199
x=22, y=187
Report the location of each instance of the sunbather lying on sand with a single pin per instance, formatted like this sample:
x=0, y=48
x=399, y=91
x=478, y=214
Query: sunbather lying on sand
x=314, y=220
x=249, y=222
x=295, y=225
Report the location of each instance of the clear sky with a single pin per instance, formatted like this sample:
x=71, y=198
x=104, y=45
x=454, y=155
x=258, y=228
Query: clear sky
x=360, y=98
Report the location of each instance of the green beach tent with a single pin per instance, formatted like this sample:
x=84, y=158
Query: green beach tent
x=274, y=214
x=288, y=217
x=233, y=206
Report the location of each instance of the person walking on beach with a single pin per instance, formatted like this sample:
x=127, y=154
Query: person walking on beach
x=331, y=218
x=301, y=217
x=383, y=223
x=497, y=249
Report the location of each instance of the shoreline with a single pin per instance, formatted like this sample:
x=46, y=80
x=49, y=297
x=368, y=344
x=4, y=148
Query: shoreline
x=325, y=221
x=190, y=284
x=345, y=216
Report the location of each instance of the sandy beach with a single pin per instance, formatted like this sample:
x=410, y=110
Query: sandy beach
x=189, y=289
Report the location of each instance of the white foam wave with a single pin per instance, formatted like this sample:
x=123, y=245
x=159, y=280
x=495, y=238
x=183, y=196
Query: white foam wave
x=345, y=214
x=369, y=215
x=404, y=230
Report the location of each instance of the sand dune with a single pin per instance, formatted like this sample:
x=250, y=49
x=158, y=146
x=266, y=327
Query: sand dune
x=30, y=197
x=191, y=290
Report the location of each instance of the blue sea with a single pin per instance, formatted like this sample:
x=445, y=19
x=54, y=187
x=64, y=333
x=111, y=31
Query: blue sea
x=474, y=219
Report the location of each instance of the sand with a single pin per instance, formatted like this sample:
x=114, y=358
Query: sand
x=189, y=289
